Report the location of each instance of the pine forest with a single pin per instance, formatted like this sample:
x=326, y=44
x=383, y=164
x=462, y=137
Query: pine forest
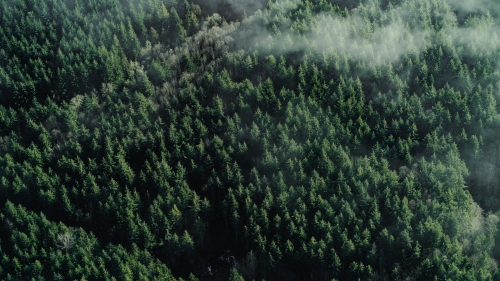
x=249, y=140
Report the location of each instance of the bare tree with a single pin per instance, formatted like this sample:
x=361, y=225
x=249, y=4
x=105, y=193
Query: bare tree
x=9, y=225
x=67, y=240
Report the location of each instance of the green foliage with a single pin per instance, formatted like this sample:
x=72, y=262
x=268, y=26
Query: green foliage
x=42, y=249
x=235, y=276
x=313, y=140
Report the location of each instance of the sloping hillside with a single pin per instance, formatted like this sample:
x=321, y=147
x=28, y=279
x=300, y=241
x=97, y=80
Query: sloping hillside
x=249, y=140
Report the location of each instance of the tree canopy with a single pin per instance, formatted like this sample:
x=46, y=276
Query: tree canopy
x=249, y=140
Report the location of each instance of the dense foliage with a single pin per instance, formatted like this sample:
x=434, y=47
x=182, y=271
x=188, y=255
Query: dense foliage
x=287, y=140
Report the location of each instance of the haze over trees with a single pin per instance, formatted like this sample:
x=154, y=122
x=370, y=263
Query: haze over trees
x=249, y=140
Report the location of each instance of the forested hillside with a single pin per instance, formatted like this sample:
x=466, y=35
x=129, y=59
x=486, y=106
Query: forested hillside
x=249, y=140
